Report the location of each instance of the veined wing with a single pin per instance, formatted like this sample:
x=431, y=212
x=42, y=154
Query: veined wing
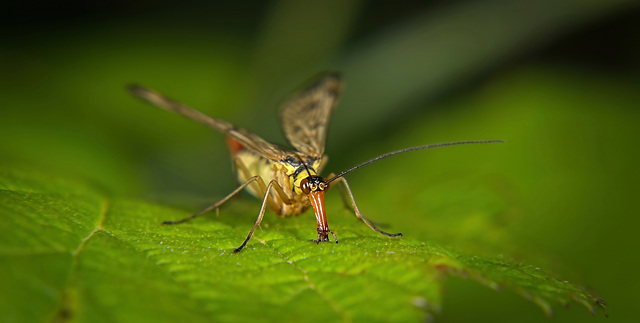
x=247, y=139
x=305, y=117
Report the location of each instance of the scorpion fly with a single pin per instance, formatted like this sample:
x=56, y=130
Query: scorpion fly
x=286, y=181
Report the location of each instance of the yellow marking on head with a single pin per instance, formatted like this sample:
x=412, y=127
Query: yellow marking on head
x=296, y=181
x=302, y=175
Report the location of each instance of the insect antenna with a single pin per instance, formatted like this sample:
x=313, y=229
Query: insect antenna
x=303, y=164
x=408, y=150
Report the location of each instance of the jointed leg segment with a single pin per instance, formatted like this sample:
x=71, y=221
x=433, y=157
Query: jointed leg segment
x=343, y=194
x=359, y=214
x=217, y=204
x=262, y=187
x=263, y=207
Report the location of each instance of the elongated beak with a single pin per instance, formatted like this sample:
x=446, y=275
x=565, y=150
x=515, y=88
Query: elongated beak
x=317, y=202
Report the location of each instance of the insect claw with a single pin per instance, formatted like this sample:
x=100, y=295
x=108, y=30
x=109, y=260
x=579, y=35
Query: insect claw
x=334, y=236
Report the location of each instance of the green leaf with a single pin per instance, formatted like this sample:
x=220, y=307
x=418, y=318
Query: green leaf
x=69, y=252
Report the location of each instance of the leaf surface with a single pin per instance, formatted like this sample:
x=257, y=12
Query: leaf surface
x=70, y=252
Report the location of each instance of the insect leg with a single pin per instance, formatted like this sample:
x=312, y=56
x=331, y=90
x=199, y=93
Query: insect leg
x=241, y=167
x=359, y=214
x=265, y=200
x=343, y=194
x=219, y=203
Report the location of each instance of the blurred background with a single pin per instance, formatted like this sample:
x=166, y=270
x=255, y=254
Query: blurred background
x=558, y=80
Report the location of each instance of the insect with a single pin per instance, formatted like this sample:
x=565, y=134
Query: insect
x=286, y=181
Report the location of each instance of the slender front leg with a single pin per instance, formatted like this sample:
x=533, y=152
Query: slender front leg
x=262, y=187
x=263, y=207
x=217, y=204
x=360, y=216
x=343, y=194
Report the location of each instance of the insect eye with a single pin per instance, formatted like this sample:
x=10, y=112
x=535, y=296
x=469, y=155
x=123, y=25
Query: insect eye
x=304, y=186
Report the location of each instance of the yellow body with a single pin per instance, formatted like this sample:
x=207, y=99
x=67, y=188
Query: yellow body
x=287, y=174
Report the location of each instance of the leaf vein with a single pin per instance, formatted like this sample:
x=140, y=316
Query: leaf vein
x=305, y=275
x=103, y=214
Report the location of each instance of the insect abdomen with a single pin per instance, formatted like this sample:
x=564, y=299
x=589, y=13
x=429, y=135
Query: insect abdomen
x=234, y=145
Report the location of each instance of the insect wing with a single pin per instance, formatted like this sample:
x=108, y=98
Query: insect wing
x=305, y=117
x=244, y=137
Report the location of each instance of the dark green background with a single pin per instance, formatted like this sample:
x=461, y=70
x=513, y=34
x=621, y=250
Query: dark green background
x=558, y=80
